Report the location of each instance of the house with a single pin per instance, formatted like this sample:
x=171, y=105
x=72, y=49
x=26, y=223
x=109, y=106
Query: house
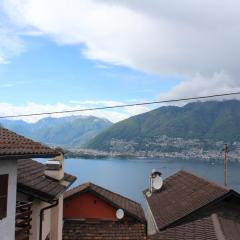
x=190, y=207
x=44, y=188
x=12, y=148
x=93, y=212
x=19, y=195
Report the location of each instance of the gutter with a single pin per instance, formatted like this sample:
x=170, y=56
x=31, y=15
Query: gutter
x=41, y=216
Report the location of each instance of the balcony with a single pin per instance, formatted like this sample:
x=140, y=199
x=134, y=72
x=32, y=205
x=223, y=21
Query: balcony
x=23, y=220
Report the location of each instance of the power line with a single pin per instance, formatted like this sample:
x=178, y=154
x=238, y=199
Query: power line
x=121, y=106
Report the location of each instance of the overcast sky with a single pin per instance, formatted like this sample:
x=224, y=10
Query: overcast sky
x=67, y=54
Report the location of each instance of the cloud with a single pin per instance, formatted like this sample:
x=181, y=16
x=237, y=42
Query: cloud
x=102, y=66
x=182, y=37
x=10, y=45
x=130, y=111
x=204, y=85
x=197, y=40
x=96, y=103
x=113, y=115
x=7, y=85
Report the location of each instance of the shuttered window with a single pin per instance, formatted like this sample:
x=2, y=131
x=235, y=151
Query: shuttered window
x=3, y=195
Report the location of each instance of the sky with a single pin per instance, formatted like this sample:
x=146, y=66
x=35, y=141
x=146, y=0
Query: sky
x=69, y=54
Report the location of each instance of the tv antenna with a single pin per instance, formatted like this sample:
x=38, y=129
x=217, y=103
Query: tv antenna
x=225, y=163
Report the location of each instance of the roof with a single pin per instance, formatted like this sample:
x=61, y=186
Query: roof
x=131, y=207
x=14, y=146
x=182, y=194
x=200, y=229
x=105, y=230
x=222, y=223
x=32, y=181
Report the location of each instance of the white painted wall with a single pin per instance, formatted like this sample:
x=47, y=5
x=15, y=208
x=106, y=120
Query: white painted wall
x=7, y=225
x=57, y=220
x=37, y=205
x=151, y=225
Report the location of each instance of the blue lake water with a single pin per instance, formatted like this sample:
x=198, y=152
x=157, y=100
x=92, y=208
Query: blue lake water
x=130, y=176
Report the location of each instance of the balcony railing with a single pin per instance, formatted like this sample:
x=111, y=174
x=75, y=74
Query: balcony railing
x=23, y=220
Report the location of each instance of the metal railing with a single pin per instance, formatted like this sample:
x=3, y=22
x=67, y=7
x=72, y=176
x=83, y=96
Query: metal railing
x=23, y=220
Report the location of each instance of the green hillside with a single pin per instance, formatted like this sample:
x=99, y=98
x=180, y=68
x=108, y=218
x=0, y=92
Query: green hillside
x=70, y=132
x=215, y=120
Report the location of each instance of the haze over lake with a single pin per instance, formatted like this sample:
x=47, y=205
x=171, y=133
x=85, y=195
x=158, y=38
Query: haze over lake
x=130, y=176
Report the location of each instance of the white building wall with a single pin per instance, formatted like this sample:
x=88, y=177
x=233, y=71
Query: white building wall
x=151, y=225
x=46, y=225
x=57, y=220
x=7, y=225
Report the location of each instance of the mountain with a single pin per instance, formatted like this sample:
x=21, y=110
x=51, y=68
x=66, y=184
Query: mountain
x=65, y=131
x=213, y=120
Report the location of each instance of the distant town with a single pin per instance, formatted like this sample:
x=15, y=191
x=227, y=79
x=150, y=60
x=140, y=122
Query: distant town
x=158, y=147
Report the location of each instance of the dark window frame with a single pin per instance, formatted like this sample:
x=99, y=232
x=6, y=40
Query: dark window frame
x=3, y=195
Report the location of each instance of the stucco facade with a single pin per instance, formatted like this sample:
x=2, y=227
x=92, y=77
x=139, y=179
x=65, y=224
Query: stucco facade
x=57, y=220
x=52, y=219
x=88, y=206
x=7, y=225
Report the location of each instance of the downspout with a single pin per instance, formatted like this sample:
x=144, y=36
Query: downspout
x=41, y=217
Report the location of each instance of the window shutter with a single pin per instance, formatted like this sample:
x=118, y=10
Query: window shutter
x=3, y=195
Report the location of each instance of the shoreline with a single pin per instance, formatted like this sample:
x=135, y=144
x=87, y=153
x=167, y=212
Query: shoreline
x=92, y=154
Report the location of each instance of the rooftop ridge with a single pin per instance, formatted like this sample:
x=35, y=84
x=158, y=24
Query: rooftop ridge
x=90, y=184
x=204, y=179
x=196, y=176
x=115, y=193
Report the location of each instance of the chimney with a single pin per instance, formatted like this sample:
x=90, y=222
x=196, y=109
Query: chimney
x=54, y=168
x=156, y=182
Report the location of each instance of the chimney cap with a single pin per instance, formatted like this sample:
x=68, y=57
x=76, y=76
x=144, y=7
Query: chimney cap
x=53, y=165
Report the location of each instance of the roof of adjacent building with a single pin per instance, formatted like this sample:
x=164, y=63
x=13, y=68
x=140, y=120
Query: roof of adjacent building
x=105, y=230
x=222, y=223
x=181, y=195
x=200, y=229
x=131, y=207
x=14, y=146
x=32, y=181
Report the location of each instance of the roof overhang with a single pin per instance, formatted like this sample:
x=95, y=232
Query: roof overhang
x=25, y=156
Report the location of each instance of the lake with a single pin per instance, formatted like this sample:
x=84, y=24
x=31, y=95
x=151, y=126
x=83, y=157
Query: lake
x=130, y=176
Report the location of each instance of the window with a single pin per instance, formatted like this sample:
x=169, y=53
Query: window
x=3, y=195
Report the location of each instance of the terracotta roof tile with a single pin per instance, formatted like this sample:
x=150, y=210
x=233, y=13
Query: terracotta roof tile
x=103, y=230
x=131, y=207
x=32, y=180
x=13, y=145
x=182, y=194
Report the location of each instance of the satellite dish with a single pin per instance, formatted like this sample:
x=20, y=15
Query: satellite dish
x=120, y=214
x=157, y=183
x=156, y=179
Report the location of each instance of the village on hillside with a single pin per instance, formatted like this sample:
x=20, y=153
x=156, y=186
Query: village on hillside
x=163, y=147
x=38, y=203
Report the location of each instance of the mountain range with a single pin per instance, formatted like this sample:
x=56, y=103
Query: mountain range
x=69, y=132
x=213, y=120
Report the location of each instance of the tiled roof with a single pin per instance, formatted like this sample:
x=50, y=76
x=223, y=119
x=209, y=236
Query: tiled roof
x=223, y=223
x=182, y=194
x=200, y=229
x=129, y=206
x=32, y=181
x=103, y=230
x=15, y=146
